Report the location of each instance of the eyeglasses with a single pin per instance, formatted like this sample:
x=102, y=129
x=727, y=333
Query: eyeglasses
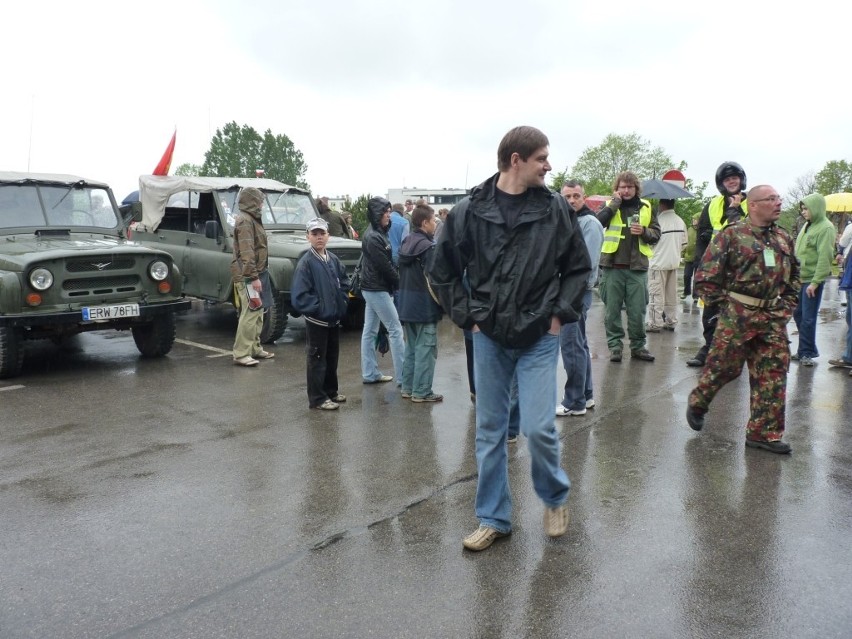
x=771, y=198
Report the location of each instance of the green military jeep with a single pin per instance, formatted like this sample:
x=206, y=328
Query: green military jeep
x=66, y=267
x=193, y=219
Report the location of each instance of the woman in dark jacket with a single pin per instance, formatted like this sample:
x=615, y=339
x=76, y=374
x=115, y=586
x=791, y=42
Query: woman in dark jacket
x=379, y=279
x=418, y=311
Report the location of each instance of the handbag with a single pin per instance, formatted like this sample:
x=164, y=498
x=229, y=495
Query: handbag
x=355, y=279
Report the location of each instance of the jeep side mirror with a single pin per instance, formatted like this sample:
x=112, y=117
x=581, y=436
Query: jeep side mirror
x=213, y=231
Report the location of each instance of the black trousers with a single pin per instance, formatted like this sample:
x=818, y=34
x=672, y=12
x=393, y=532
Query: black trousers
x=323, y=352
x=688, y=270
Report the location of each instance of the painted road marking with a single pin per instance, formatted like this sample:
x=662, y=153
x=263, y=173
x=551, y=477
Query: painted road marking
x=219, y=351
x=16, y=387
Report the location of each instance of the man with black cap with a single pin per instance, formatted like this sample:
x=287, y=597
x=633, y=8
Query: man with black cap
x=723, y=210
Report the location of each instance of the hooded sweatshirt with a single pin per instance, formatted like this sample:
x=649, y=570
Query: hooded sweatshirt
x=378, y=271
x=251, y=257
x=815, y=244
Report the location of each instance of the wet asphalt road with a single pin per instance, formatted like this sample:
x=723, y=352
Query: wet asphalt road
x=186, y=497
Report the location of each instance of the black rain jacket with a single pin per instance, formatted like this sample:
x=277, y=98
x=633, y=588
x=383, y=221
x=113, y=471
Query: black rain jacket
x=510, y=281
x=378, y=272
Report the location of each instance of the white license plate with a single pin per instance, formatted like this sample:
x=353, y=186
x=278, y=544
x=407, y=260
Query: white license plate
x=114, y=311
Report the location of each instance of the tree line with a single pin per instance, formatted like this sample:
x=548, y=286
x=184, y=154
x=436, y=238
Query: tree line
x=237, y=151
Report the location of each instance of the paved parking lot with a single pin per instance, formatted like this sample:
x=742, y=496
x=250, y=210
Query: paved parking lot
x=187, y=497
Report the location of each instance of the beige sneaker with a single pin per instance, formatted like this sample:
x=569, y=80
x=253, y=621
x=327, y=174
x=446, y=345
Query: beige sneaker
x=482, y=537
x=245, y=361
x=264, y=355
x=556, y=520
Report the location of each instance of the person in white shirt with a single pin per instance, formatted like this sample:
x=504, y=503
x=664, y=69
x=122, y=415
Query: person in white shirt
x=662, y=270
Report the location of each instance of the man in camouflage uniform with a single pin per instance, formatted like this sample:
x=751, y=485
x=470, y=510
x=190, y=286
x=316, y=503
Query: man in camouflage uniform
x=750, y=270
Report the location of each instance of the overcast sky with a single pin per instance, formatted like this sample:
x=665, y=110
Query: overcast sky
x=382, y=94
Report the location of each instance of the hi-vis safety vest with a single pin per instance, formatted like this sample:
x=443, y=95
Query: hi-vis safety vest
x=613, y=233
x=717, y=208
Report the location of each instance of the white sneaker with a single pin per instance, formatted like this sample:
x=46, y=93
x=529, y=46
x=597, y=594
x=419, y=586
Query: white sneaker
x=590, y=403
x=577, y=413
x=561, y=411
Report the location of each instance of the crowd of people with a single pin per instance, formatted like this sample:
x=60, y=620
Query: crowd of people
x=514, y=265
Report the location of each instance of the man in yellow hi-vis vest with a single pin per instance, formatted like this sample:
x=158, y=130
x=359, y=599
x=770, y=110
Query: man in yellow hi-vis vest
x=630, y=230
x=723, y=210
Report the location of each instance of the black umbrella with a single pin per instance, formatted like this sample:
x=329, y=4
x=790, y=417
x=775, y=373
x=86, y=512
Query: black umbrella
x=662, y=190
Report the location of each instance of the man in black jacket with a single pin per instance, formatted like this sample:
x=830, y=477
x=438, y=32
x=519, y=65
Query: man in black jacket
x=518, y=247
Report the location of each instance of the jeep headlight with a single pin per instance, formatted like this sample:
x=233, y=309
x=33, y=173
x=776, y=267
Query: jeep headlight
x=41, y=279
x=158, y=270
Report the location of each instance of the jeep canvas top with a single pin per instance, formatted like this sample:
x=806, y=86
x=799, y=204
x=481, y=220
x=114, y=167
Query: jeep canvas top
x=193, y=219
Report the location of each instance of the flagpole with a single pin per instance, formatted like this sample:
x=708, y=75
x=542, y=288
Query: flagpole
x=32, y=117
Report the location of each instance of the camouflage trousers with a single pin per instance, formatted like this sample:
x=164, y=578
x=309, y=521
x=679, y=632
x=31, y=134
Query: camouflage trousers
x=758, y=338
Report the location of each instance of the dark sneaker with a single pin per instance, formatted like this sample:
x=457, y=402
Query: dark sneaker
x=840, y=362
x=642, y=354
x=482, y=538
x=779, y=447
x=556, y=520
x=694, y=418
x=615, y=356
x=431, y=397
x=696, y=361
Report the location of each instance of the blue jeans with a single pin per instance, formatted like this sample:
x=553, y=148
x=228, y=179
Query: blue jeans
x=848, y=355
x=494, y=368
x=805, y=316
x=379, y=308
x=577, y=360
x=421, y=351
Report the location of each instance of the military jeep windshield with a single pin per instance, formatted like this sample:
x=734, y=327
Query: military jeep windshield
x=58, y=206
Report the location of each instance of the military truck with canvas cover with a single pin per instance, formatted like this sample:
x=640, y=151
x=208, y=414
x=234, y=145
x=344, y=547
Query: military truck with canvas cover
x=193, y=219
x=67, y=267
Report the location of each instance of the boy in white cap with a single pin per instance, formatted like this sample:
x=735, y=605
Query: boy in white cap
x=319, y=292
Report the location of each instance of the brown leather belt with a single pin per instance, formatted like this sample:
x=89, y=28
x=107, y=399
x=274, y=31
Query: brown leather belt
x=752, y=301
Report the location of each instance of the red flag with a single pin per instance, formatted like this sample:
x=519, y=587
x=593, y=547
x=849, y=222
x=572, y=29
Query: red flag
x=166, y=161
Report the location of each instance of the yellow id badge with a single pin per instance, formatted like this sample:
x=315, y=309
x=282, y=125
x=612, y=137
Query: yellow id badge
x=769, y=257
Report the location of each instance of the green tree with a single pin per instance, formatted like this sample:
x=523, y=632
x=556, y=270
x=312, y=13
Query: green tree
x=598, y=166
x=835, y=177
x=188, y=169
x=238, y=151
x=358, y=209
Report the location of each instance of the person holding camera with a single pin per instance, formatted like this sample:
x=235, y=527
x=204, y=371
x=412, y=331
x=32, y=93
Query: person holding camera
x=630, y=231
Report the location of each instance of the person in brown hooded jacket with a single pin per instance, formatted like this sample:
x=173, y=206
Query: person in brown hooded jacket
x=249, y=271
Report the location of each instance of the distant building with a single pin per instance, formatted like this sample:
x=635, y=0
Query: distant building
x=436, y=198
x=336, y=202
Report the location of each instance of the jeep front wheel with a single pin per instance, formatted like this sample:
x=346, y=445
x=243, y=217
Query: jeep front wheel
x=156, y=338
x=274, y=320
x=11, y=352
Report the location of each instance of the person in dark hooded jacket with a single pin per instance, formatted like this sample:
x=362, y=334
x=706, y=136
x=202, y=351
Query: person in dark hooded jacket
x=379, y=279
x=418, y=311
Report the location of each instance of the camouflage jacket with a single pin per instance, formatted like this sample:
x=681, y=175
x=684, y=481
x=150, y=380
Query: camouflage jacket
x=756, y=261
